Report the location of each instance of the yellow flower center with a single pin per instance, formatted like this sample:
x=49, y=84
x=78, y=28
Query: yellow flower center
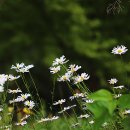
x=119, y=51
x=64, y=77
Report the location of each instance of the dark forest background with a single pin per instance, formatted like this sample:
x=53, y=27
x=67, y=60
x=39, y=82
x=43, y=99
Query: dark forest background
x=38, y=31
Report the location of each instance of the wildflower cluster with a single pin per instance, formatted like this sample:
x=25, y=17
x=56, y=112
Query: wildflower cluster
x=4, y=78
x=91, y=106
x=19, y=98
x=21, y=67
x=70, y=73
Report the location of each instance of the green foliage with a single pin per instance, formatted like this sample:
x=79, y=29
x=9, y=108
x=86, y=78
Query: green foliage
x=102, y=107
x=123, y=101
x=126, y=123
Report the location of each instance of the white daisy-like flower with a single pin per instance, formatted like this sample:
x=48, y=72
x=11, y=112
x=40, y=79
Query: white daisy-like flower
x=89, y=100
x=73, y=68
x=54, y=70
x=77, y=95
x=1, y=109
x=14, y=91
x=26, y=69
x=1, y=89
x=43, y=120
x=14, y=100
x=119, y=87
x=30, y=104
x=65, y=77
x=48, y=119
x=61, y=60
x=84, y=116
x=25, y=117
x=119, y=50
x=59, y=102
x=66, y=108
x=23, y=97
x=21, y=123
x=104, y=124
x=21, y=67
x=117, y=95
x=113, y=81
x=91, y=122
x=75, y=125
x=81, y=78
x=29, y=67
x=126, y=112
x=18, y=66
x=3, y=79
x=11, y=77
x=54, y=118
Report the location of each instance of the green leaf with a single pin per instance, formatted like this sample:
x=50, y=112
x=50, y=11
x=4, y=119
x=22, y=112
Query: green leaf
x=124, y=101
x=103, y=106
x=101, y=95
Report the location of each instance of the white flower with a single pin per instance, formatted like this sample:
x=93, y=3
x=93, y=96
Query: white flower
x=117, y=95
x=54, y=118
x=21, y=123
x=126, y=112
x=48, y=119
x=3, y=79
x=21, y=67
x=1, y=89
x=54, y=70
x=1, y=109
x=18, y=66
x=67, y=108
x=76, y=95
x=14, y=91
x=59, y=102
x=89, y=100
x=23, y=97
x=30, y=104
x=113, y=81
x=73, y=68
x=11, y=77
x=74, y=125
x=84, y=116
x=119, y=50
x=119, y=87
x=104, y=124
x=29, y=67
x=26, y=68
x=43, y=120
x=65, y=77
x=14, y=100
x=81, y=78
x=61, y=60
x=91, y=122
x=25, y=117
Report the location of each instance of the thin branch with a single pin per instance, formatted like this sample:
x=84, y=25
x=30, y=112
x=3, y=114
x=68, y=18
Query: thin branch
x=114, y=7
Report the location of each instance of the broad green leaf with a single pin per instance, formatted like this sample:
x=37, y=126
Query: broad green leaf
x=103, y=106
x=124, y=101
x=101, y=95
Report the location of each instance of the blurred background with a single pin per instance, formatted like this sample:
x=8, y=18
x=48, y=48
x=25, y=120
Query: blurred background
x=38, y=31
